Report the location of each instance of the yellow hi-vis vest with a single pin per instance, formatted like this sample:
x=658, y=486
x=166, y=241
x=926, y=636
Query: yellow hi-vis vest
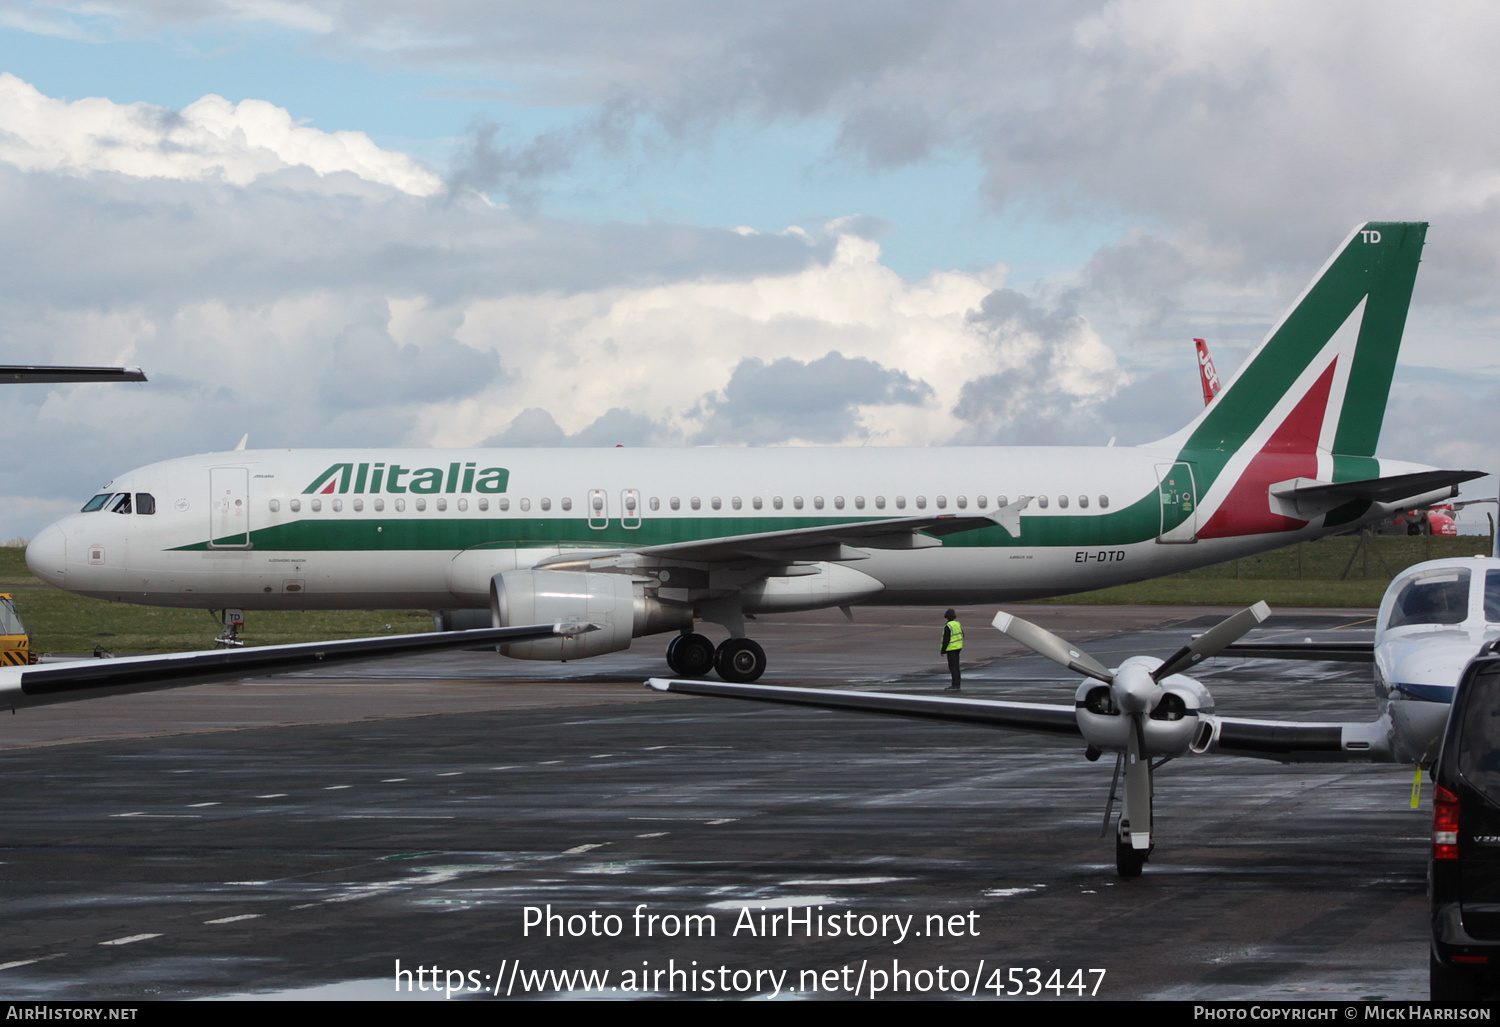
x=955, y=636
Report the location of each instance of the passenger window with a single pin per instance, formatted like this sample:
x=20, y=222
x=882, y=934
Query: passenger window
x=1104, y=502
x=359, y=506
x=504, y=505
x=296, y=505
x=567, y=503
x=1041, y=501
x=982, y=501
x=442, y=504
x=275, y=506
x=421, y=506
x=317, y=505
x=838, y=502
x=463, y=505
x=797, y=502
x=338, y=506
x=145, y=503
x=859, y=502
x=818, y=502
x=942, y=502
x=776, y=502
x=963, y=502
x=546, y=503
x=756, y=502
x=1062, y=502
x=97, y=503
x=1083, y=502
x=675, y=503
x=484, y=504
x=715, y=503
x=921, y=502
x=735, y=502
x=655, y=503
x=697, y=503
x=400, y=506
x=900, y=502
x=379, y=505
x=1001, y=501
x=880, y=502
x=525, y=505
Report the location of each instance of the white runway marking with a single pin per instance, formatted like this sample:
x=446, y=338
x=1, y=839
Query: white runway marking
x=232, y=919
x=130, y=939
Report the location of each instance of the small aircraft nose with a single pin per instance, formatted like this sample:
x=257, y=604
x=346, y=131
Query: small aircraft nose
x=47, y=555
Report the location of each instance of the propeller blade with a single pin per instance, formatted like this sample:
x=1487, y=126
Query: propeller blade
x=1224, y=633
x=1045, y=643
x=1137, y=809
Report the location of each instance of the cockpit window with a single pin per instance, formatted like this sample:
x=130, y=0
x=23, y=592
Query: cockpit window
x=1441, y=597
x=145, y=503
x=121, y=505
x=97, y=503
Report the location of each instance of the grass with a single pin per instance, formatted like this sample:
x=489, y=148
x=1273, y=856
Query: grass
x=61, y=622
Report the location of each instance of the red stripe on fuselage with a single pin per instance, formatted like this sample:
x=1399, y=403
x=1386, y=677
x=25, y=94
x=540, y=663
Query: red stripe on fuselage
x=1290, y=452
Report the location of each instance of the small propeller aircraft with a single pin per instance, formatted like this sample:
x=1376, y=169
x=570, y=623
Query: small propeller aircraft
x=1433, y=619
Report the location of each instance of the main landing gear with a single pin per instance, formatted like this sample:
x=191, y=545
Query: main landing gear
x=737, y=659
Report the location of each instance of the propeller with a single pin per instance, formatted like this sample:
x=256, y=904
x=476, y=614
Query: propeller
x=1135, y=690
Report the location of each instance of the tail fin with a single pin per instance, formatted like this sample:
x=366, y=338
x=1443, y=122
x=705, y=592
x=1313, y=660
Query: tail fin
x=1310, y=401
x=1329, y=359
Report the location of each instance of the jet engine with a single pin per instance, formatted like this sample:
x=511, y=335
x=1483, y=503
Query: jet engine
x=615, y=604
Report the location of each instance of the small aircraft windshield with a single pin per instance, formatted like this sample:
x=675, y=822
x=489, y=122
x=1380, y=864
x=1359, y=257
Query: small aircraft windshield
x=1438, y=598
x=97, y=503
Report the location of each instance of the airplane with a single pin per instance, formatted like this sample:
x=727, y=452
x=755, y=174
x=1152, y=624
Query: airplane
x=643, y=542
x=1434, y=618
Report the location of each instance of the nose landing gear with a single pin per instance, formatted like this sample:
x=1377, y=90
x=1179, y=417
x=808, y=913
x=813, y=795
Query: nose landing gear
x=233, y=621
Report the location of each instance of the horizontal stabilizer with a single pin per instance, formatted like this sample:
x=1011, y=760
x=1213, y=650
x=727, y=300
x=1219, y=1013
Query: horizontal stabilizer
x=1056, y=720
x=1392, y=489
x=89, y=679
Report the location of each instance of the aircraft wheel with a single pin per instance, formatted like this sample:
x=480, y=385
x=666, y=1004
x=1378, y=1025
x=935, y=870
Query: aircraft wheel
x=1129, y=861
x=740, y=660
x=691, y=656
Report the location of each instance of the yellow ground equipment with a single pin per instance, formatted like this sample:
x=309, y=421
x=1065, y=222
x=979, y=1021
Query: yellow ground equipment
x=15, y=643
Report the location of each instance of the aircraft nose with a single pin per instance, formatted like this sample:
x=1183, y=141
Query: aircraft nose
x=47, y=555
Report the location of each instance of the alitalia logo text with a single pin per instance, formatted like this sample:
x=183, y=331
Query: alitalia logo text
x=394, y=479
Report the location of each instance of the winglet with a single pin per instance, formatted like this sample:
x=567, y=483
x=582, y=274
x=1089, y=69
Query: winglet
x=1009, y=515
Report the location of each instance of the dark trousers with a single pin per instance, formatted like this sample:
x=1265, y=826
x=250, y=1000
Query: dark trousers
x=953, y=655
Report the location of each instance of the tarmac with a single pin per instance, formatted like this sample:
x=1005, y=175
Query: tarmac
x=472, y=826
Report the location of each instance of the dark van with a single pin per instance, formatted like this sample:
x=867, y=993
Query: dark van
x=1463, y=879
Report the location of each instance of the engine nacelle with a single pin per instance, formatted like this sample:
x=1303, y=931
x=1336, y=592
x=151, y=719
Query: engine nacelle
x=1171, y=729
x=616, y=604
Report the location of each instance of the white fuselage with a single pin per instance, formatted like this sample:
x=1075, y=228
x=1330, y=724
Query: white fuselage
x=380, y=529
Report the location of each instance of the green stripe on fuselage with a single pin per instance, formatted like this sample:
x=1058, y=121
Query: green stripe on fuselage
x=1138, y=522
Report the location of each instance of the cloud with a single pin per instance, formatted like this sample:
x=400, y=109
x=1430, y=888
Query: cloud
x=815, y=401
x=209, y=139
x=615, y=427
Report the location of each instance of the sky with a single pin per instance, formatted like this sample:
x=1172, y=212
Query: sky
x=658, y=222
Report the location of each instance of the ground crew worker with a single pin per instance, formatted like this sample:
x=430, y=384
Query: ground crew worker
x=953, y=646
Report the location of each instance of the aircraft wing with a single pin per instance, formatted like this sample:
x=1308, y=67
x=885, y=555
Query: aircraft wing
x=33, y=373
x=1054, y=720
x=820, y=542
x=1335, y=652
x=92, y=679
x=1281, y=741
